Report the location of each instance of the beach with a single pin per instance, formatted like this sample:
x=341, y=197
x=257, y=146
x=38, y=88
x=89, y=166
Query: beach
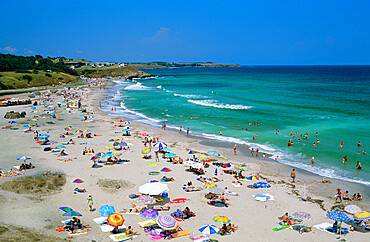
x=255, y=219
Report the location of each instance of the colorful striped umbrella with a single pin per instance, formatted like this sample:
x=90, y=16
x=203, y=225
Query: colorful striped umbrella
x=301, y=215
x=79, y=131
x=210, y=184
x=190, y=152
x=149, y=213
x=212, y=152
x=160, y=145
x=221, y=219
x=94, y=157
x=115, y=143
x=115, y=220
x=87, y=131
x=66, y=209
x=166, y=222
x=209, y=229
x=179, y=200
x=146, y=199
x=363, y=215
x=165, y=169
x=352, y=209
x=77, y=181
x=252, y=178
x=338, y=216
x=68, y=127
x=72, y=213
x=239, y=168
x=100, y=154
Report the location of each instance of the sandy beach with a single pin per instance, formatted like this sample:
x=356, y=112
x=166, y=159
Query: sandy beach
x=255, y=219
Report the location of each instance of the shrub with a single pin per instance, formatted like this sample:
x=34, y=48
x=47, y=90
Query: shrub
x=48, y=75
x=27, y=77
x=60, y=78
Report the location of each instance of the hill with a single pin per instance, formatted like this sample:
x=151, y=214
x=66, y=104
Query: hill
x=111, y=71
x=158, y=65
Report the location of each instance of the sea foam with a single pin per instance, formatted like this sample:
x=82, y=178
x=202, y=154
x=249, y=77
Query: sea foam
x=215, y=104
x=137, y=86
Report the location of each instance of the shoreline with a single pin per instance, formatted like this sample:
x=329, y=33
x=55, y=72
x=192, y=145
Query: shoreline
x=227, y=146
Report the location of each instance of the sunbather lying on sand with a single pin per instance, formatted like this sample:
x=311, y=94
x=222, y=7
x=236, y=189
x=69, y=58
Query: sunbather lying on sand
x=82, y=190
x=192, y=189
x=134, y=209
x=167, y=179
x=162, y=208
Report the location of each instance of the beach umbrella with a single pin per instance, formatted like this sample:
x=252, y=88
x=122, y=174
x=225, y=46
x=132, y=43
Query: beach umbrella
x=108, y=154
x=166, y=222
x=121, y=120
x=301, y=215
x=227, y=165
x=111, y=140
x=61, y=146
x=221, y=219
x=52, y=112
x=116, y=152
x=66, y=209
x=44, y=136
x=126, y=130
x=263, y=197
x=190, y=152
x=152, y=164
x=208, y=229
x=179, y=200
x=160, y=145
x=239, y=168
x=127, y=122
x=24, y=158
x=352, y=209
x=79, y=131
x=252, y=178
x=146, y=199
x=90, y=116
x=165, y=169
x=210, y=184
x=115, y=220
x=106, y=210
x=12, y=122
x=123, y=144
x=143, y=134
x=153, y=188
x=149, y=213
x=109, y=147
x=72, y=213
x=166, y=149
x=338, y=216
x=170, y=155
x=216, y=190
x=94, y=157
x=146, y=150
x=63, y=136
x=68, y=127
x=26, y=126
x=261, y=185
x=77, y=181
x=115, y=143
x=87, y=131
x=100, y=154
x=216, y=154
x=363, y=215
x=211, y=152
x=33, y=108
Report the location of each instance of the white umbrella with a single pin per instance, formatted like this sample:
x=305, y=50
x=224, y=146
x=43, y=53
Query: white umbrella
x=154, y=188
x=197, y=165
x=188, y=163
x=263, y=197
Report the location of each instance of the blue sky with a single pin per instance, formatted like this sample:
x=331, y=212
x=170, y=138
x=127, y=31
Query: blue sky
x=245, y=32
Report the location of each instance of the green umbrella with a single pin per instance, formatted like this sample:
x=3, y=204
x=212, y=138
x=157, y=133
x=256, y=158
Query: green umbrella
x=152, y=164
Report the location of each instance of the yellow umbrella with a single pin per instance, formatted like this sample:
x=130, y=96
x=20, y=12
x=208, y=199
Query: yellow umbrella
x=363, y=215
x=210, y=184
x=222, y=219
x=109, y=147
x=146, y=150
x=116, y=152
x=203, y=157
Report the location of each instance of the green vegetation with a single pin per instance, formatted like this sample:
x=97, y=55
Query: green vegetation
x=16, y=80
x=161, y=64
x=112, y=71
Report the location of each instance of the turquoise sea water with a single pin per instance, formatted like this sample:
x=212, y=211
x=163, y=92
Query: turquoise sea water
x=332, y=101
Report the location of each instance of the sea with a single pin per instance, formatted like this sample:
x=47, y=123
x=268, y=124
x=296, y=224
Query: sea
x=262, y=107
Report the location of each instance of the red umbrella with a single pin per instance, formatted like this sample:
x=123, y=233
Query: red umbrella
x=179, y=200
x=121, y=120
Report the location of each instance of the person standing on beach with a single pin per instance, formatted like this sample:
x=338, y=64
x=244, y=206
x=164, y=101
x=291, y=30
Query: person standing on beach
x=257, y=150
x=252, y=151
x=292, y=175
x=220, y=132
x=338, y=196
x=90, y=202
x=235, y=149
x=187, y=131
x=312, y=161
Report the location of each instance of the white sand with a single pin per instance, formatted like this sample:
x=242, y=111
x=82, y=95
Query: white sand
x=255, y=219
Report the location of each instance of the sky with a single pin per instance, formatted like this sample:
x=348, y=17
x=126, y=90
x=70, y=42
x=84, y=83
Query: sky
x=244, y=32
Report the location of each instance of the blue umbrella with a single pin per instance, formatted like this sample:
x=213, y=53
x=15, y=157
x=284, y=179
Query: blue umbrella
x=66, y=209
x=24, y=158
x=44, y=136
x=261, y=185
x=127, y=122
x=211, y=152
x=108, y=154
x=123, y=144
x=12, y=122
x=91, y=117
x=106, y=210
x=33, y=108
x=26, y=126
x=61, y=146
x=165, y=149
x=126, y=130
x=170, y=155
x=209, y=229
x=338, y=216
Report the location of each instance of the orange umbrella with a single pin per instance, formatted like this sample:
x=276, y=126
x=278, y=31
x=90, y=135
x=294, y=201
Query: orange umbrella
x=115, y=220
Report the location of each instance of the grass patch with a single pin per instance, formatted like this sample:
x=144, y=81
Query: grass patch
x=113, y=186
x=16, y=80
x=40, y=184
x=13, y=233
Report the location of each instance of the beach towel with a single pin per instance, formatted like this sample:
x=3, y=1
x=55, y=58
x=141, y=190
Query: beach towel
x=146, y=223
x=327, y=227
x=181, y=234
x=100, y=220
x=198, y=237
x=281, y=227
x=236, y=184
x=157, y=237
x=108, y=228
x=77, y=232
x=121, y=237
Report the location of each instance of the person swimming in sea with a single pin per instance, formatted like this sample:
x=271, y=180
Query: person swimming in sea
x=358, y=166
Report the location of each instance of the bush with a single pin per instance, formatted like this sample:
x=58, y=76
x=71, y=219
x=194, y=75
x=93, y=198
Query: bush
x=48, y=75
x=60, y=78
x=27, y=77
x=34, y=71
